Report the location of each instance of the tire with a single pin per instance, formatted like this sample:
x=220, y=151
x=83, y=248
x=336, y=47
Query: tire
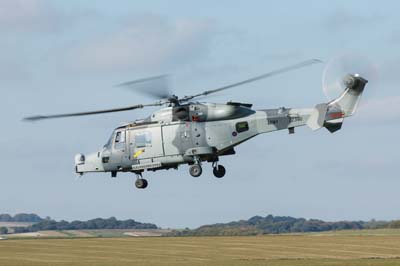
x=195, y=170
x=141, y=183
x=145, y=183
x=219, y=171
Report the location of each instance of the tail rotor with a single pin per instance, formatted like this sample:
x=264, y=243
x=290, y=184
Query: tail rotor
x=342, y=71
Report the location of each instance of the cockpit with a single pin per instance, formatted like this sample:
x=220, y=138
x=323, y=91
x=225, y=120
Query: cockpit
x=117, y=138
x=108, y=143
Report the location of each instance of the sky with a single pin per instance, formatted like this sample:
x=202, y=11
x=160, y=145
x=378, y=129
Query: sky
x=66, y=56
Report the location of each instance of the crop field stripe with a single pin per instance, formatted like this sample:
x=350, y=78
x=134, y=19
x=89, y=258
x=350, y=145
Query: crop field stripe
x=236, y=251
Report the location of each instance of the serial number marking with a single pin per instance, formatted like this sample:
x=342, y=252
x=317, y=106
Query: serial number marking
x=290, y=120
x=295, y=119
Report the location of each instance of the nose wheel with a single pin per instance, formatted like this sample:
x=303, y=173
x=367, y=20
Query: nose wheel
x=140, y=182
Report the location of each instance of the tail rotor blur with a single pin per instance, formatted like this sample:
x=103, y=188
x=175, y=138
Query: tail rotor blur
x=336, y=76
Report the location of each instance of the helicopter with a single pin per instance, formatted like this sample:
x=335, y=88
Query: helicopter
x=186, y=131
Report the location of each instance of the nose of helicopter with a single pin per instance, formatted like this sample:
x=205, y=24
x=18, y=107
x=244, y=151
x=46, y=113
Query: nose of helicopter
x=88, y=163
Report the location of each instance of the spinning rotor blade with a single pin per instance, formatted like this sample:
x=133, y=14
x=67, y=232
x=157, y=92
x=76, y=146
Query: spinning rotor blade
x=42, y=117
x=156, y=87
x=267, y=75
x=339, y=67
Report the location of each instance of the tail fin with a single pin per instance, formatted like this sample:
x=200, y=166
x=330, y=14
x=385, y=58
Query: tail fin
x=350, y=98
x=332, y=114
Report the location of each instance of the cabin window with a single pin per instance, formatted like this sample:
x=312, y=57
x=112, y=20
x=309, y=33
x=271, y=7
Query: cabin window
x=143, y=139
x=242, y=127
x=119, y=140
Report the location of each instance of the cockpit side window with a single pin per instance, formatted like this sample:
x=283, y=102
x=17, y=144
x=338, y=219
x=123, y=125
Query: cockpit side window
x=119, y=141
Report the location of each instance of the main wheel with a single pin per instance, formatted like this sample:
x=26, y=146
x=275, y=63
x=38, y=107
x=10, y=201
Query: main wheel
x=195, y=170
x=219, y=171
x=141, y=183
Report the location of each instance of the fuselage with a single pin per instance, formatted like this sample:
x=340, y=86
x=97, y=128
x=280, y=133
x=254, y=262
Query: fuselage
x=179, y=135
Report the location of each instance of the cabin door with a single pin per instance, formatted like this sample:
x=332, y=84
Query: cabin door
x=146, y=143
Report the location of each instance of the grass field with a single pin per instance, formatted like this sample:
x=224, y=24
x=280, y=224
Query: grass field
x=282, y=250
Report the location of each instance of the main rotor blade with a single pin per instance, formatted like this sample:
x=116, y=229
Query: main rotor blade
x=42, y=117
x=156, y=87
x=267, y=75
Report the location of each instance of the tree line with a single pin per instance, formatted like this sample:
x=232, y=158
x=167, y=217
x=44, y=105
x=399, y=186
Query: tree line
x=41, y=224
x=256, y=225
x=98, y=223
x=21, y=217
x=270, y=224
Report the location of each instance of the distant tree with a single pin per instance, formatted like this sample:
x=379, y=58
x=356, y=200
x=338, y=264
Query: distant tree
x=267, y=225
x=374, y=224
x=98, y=223
x=25, y=217
x=394, y=224
x=5, y=218
x=255, y=220
x=19, y=230
x=3, y=230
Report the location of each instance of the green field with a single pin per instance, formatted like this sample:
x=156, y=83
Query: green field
x=339, y=249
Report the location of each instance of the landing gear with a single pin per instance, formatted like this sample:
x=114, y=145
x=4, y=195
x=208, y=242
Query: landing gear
x=140, y=182
x=219, y=171
x=195, y=170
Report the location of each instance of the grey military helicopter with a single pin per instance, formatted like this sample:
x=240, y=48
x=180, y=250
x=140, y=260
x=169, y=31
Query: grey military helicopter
x=186, y=131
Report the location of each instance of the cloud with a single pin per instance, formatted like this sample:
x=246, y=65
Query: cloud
x=374, y=165
x=389, y=70
x=343, y=19
x=14, y=60
x=27, y=15
x=11, y=71
x=385, y=109
x=25, y=26
x=144, y=42
x=36, y=16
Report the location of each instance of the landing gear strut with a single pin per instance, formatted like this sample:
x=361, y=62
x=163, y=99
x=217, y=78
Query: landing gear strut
x=218, y=170
x=140, y=182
